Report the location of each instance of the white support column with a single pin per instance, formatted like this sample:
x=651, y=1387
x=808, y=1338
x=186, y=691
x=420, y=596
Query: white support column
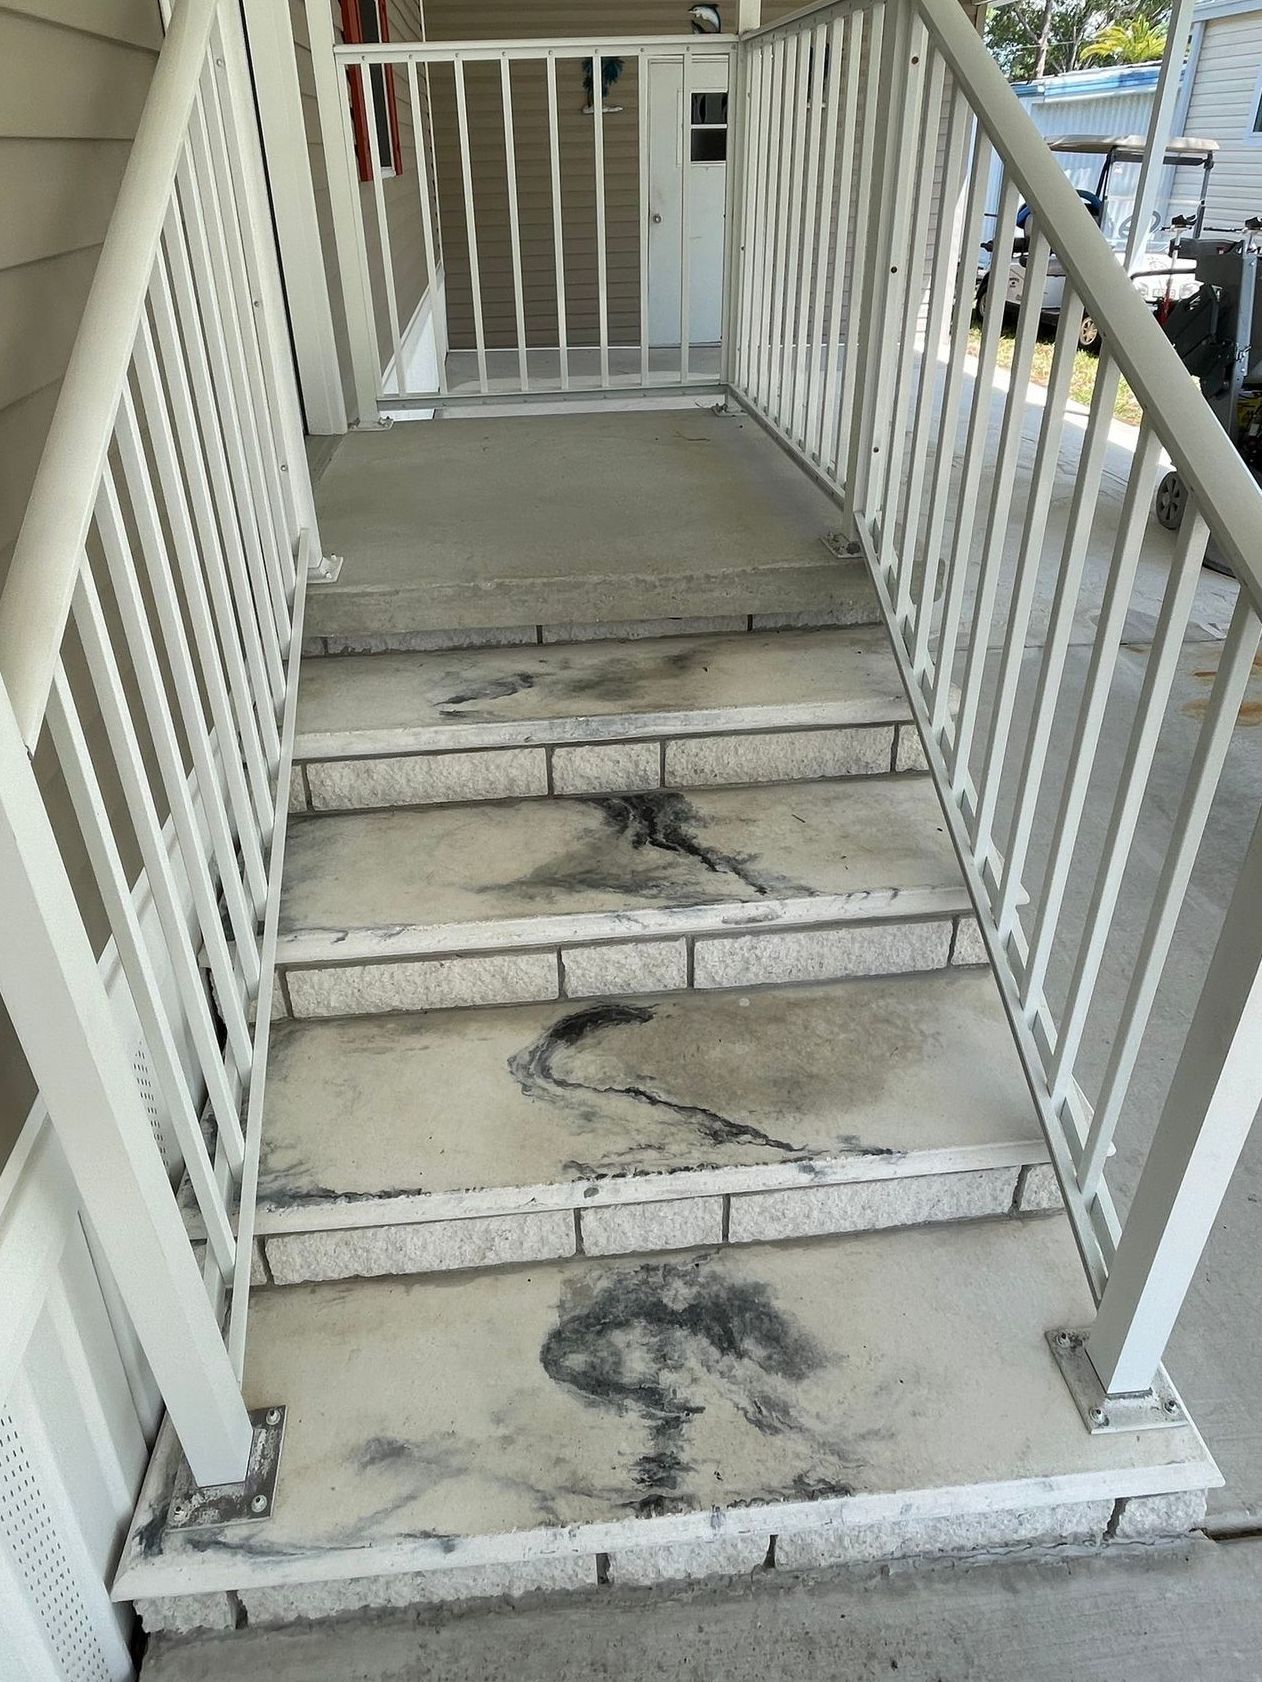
x=339, y=160
x=57, y=1002
x=1213, y=1099
x=748, y=15
x=1160, y=125
x=279, y=99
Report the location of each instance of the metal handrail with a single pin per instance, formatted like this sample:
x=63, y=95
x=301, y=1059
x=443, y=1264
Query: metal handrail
x=1223, y=485
x=37, y=596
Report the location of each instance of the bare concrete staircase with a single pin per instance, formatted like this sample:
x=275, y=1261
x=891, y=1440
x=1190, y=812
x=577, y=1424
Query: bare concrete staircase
x=647, y=1167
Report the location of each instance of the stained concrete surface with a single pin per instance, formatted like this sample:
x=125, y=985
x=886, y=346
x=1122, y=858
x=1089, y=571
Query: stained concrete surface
x=1184, y=1614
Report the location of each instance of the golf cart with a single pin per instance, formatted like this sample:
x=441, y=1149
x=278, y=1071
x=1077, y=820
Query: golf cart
x=1160, y=276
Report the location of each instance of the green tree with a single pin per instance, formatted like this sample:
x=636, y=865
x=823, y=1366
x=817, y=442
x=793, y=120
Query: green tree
x=1136, y=41
x=1033, y=38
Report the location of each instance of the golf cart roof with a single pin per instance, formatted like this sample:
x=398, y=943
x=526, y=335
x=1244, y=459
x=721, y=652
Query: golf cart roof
x=1130, y=148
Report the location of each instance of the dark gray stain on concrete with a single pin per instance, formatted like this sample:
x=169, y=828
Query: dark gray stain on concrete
x=658, y=1341
x=537, y=1070
x=492, y=689
x=668, y=823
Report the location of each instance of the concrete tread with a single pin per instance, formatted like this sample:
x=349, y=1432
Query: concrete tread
x=586, y=692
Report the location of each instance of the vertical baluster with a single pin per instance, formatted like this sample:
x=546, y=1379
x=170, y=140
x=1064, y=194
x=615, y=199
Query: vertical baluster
x=470, y=220
x=1029, y=556
x=372, y=143
x=1003, y=479
x=643, y=143
x=107, y=683
x=949, y=411
x=243, y=534
x=558, y=236
x=602, y=251
x=780, y=280
x=790, y=326
x=944, y=264
x=685, y=214
x=419, y=113
x=1056, y=639
x=514, y=223
x=1235, y=667
x=247, y=677
x=207, y=672
x=912, y=257
x=971, y=474
x=75, y=759
x=144, y=505
x=1159, y=675
x=768, y=223
x=144, y=656
x=222, y=184
x=212, y=273
x=816, y=390
x=1104, y=650
x=847, y=438
x=812, y=238
x=830, y=422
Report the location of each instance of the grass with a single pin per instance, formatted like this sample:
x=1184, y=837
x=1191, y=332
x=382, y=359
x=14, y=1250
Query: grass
x=1081, y=385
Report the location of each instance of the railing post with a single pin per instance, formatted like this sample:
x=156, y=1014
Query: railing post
x=58, y=1005
x=271, y=48
x=338, y=144
x=1211, y=1105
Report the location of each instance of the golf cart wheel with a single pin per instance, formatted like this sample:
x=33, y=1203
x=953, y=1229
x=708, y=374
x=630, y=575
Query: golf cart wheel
x=1172, y=496
x=1089, y=335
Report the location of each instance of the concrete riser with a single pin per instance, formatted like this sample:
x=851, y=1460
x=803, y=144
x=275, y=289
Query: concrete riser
x=641, y=1228
x=734, y=759
x=776, y=957
x=1083, y=1525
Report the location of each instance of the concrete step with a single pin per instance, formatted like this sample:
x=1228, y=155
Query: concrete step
x=573, y=521
x=595, y=718
x=518, y=901
x=402, y=1144
x=626, y=1421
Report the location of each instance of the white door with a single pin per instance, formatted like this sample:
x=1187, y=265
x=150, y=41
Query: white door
x=706, y=163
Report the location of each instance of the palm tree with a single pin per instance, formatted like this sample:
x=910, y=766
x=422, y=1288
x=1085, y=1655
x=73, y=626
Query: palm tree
x=1136, y=41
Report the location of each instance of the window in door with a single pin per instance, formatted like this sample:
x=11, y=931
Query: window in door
x=709, y=128
x=376, y=121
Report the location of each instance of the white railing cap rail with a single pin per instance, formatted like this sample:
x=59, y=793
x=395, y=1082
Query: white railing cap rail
x=36, y=600
x=535, y=46
x=1223, y=486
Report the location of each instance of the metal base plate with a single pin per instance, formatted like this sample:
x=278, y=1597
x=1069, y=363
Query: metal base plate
x=326, y=569
x=1149, y=1410
x=198, y=1507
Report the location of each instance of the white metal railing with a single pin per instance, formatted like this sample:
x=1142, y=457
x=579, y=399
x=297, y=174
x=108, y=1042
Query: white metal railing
x=494, y=137
x=149, y=633
x=869, y=129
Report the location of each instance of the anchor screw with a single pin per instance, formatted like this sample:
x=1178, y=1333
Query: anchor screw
x=272, y=1416
x=258, y=1504
x=1098, y=1417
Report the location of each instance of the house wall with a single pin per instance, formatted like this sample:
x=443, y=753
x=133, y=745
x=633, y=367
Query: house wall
x=1219, y=103
x=73, y=79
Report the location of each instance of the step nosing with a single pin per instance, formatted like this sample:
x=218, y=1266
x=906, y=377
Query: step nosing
x=379, y=740
x=321, y=1209
x=385, y=942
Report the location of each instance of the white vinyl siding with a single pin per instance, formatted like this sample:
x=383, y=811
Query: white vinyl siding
x=1222, y=107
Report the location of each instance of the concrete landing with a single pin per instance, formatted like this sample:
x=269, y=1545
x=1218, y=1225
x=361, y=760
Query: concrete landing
x=856, y=1398
x=551, y=520
x=516, y=888
x=460, y=1138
